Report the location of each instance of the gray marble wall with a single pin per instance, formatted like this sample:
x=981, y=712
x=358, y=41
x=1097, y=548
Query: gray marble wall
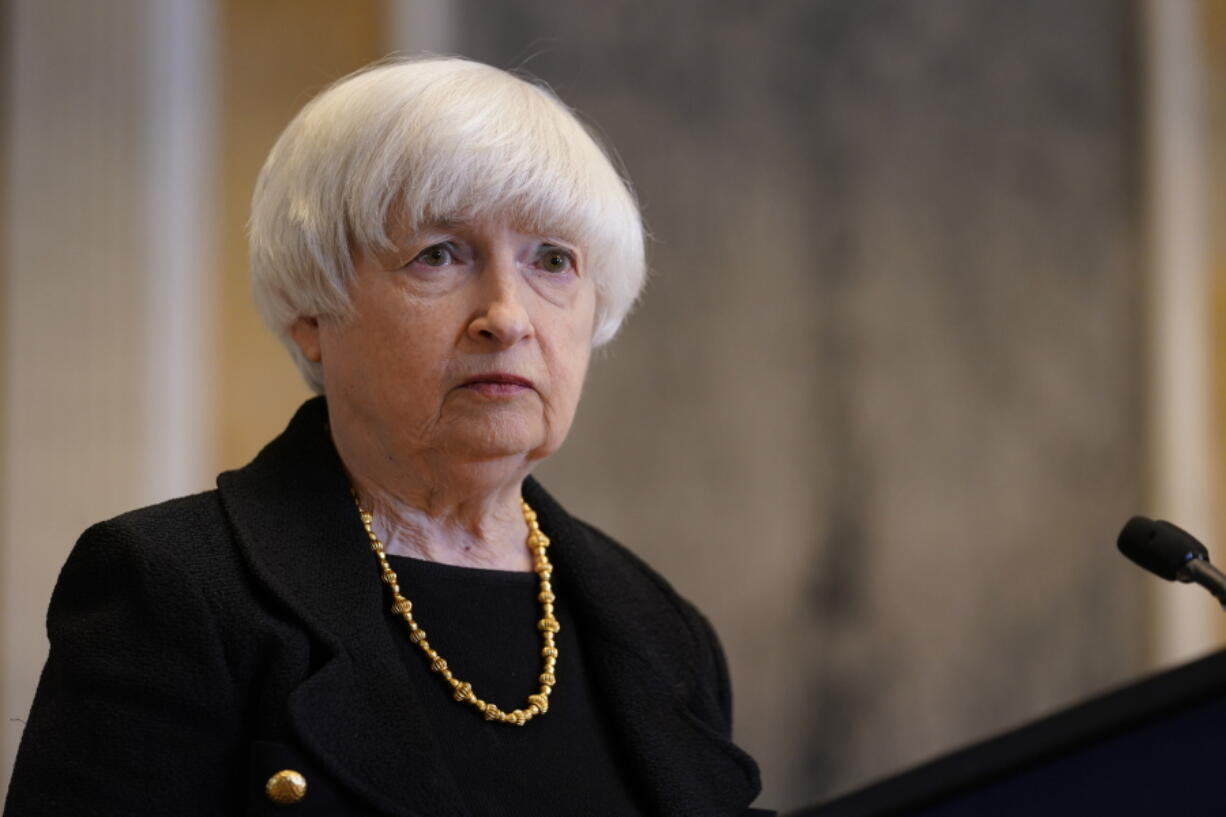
x=879, y=413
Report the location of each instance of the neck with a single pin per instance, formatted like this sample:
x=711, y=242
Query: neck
x=465, y=522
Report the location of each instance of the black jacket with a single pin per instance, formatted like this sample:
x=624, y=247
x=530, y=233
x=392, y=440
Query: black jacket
x=201, y=645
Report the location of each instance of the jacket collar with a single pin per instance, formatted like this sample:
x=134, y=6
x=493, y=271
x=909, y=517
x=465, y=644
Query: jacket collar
x=358, y=714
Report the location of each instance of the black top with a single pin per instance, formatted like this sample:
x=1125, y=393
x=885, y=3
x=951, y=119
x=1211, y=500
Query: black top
x=483, y=622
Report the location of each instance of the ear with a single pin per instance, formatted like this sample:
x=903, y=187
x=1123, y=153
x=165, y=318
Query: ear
x=305, y=332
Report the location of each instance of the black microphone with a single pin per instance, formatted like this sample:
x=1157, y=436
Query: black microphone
x=1172, y=553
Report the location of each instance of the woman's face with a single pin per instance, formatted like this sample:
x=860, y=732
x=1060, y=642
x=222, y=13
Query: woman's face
x=470, y=341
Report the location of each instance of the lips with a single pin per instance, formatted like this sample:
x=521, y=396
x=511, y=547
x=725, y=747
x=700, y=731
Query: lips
x=499, y=377
x=494, y=384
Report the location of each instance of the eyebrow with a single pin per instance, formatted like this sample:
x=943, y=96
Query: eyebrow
x=449, y=223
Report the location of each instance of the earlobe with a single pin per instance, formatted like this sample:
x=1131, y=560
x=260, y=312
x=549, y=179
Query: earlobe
x=305, y=332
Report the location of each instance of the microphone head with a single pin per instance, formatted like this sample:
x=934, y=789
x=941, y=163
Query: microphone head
x=1159, y=547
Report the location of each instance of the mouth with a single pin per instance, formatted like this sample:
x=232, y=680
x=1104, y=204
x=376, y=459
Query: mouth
x=497, y=384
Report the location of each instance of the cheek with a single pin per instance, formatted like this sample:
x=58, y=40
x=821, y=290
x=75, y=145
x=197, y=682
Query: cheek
x=376, y=361
x=579, y=364
x=581, y=321
x=394, y=332
x=570, y=365
x=581, y=334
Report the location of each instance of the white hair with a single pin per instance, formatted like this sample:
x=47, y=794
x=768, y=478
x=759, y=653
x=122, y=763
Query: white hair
x=421, y=141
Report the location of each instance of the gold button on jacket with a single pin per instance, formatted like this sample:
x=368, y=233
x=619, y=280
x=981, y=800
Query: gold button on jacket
x=286, y=787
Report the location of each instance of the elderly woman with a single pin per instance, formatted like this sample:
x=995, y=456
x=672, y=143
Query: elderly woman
x=384, y=613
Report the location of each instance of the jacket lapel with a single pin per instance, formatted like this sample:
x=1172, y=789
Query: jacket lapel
x=646, y=658
x=357, y=714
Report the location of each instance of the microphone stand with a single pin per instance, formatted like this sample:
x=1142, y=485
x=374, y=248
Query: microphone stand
x=1207, y=576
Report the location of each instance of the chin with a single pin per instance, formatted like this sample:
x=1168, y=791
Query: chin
x=505, y=440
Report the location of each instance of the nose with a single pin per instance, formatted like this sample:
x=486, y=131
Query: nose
x=501, y=316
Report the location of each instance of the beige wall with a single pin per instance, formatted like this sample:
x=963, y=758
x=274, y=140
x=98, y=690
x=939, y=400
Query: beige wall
x=275, y=56
x=1214, y=31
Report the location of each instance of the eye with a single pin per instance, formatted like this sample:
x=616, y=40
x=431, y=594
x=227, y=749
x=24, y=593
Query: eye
x=437, y=255
x=556, y=259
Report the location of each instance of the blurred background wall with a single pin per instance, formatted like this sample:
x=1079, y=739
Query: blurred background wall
x=936, y=304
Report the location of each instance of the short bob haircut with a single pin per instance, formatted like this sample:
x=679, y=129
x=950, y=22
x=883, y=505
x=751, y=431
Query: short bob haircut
x=417, y=142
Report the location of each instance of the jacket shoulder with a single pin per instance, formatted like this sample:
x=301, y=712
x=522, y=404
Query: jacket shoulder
x=169, y=556
x=184, y=536
x=185, y=520
x=137, y=661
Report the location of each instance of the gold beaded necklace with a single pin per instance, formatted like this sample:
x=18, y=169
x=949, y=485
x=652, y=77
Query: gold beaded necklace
x=538, y=703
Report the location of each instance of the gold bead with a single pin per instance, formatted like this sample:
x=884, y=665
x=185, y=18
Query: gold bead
x=463, y=690
x=547, y=679
x=540, y=701
x=438, y=664
x=492, y=712
x=546, y=597
x=417, y=635
x=286, y=787
x=389, y=576
x=402, y=606
x=549, y=625
x=550, y=652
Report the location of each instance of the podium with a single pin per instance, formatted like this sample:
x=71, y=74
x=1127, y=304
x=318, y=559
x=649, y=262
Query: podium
x=1156, y=748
